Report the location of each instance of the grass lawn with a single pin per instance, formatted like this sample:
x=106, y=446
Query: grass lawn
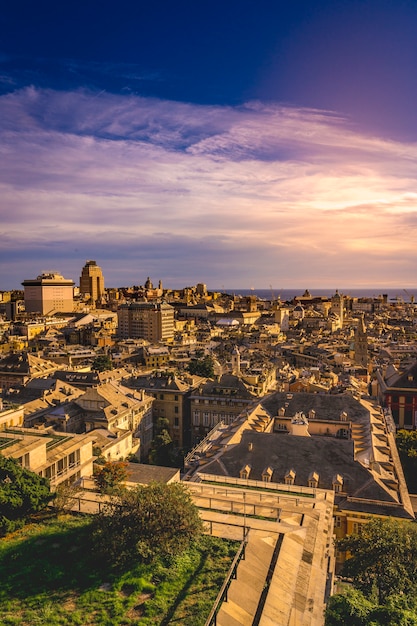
x=50, y=576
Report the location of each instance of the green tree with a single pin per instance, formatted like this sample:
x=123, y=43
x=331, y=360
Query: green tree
x=22, y=493
x=163, y=452
x=147, y=522
x=348, y=609
x=399, y=610
x=102, y=363
x=162, y=448
x=407, y=447
x=383, y=558
x=65, y=497
x=109, y=477
x=407, y=442
x=202, y=367
x=351, y=608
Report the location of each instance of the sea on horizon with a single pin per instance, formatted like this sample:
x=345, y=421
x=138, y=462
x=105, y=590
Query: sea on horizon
x=285, y=295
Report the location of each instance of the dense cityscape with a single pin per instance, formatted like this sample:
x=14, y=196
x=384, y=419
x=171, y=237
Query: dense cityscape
x=208, y=313
x=300, y=398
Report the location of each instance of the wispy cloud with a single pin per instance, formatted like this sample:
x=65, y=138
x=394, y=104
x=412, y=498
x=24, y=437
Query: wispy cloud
x=256, y=194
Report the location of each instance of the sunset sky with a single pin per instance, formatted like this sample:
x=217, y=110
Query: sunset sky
x=237, y=143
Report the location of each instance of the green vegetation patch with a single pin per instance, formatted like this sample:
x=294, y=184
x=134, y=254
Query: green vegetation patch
x=51, y=575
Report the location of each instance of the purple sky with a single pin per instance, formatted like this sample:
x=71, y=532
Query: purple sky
x=266, y=146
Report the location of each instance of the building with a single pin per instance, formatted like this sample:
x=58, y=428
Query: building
x=16, y=370
x=215, y=401
x=361, y=344
x=335, y=443
x=62, y=458
x=156, y=356
x=115, y=408
x=151, y=321
x=338, y=307
x=49, y=293
x=92, y=282
x=10, y=417
x=171, y=402
x=399, y=391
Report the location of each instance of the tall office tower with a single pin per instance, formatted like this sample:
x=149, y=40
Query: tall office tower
x=153, y=322
x=92, y=282
x=49, y=293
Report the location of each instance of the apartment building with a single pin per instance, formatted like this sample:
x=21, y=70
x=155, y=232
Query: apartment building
x=220, y=400
x=171, y=402
x=144, y=320
x=62, y=458
x=49, y=293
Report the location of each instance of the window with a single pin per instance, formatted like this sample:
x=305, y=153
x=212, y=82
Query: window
x=408, y=416
x=176, y=422
x=205, y=418
x=289, y=477
x=196, y=418
x=338, y=521
x=176, y=409
x=24, y=461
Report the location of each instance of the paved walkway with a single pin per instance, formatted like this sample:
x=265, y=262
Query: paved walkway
x=245, y=591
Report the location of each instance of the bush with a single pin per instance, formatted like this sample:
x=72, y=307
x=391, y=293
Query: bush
x=146, y=522
x=109, y=477
x=22, y=493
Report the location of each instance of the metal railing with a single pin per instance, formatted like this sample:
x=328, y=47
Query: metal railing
x=231, y=575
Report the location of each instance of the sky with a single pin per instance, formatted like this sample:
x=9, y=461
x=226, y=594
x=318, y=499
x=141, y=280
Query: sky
x=238, y=143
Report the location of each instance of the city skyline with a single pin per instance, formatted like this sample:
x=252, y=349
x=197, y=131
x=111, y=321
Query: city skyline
x=227, y=145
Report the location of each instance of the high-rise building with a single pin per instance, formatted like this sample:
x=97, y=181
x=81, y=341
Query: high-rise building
x=49, y=293
x=151, y=321
x=92, y=282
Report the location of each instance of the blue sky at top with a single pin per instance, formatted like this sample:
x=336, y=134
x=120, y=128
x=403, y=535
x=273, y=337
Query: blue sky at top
x=232, y=142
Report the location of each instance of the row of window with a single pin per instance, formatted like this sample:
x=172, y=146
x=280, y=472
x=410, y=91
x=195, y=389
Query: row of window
x=162, y=397
x=211, y=419
x=222, y=402
x=63, y=465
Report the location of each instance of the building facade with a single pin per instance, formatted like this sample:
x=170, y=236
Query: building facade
x=151, y=321
x=221, y=400
x=171, y=403
x=62, y=458
x=49, y=293
x=116, y=409
x=92, y=282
